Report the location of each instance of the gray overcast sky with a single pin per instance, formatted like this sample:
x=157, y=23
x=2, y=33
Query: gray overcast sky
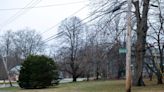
x=39, y=19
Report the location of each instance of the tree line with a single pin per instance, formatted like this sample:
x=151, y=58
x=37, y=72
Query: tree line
x=91, y=49
x=16, y=46
x=97, y=45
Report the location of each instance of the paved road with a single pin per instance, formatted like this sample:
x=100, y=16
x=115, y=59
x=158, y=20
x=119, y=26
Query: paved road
x=8, y=85
x=65, y=80
x=5, y=91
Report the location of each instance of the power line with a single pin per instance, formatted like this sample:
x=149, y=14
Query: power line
x=51, y=37
x=20, y=12
x=97, y=9
x=56, y=35
x=49, y=29
x=102, y=6
x=44, y=6
x=32, y=3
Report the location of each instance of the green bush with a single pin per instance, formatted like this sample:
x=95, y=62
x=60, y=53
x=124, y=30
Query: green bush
x=37, y=72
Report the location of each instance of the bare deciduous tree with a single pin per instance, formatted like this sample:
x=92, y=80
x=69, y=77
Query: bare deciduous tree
x=27, y=42
x=72, y=34
x=153, y=65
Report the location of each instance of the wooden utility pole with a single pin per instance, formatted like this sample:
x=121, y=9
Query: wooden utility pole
x=6, y=69
x=128, y=46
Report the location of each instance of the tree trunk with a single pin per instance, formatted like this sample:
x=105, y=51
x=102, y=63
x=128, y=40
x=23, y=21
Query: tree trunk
x=119, y=74
x=97, y=71
x=4, y=82
x=97, y=75
x=156, y=71
x=159, y=78
x=150, y=73
x=161, y=60
x=88, y=77
x=150, y=76
x=137, y=80
x=141, y=39
x=74, y=79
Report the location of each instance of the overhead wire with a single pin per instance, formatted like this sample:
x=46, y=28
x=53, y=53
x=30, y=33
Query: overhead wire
x=32, y=3
x=49, y=29
x=111, y=11
x=96, y=10
x=56, y=35
x=44, y=6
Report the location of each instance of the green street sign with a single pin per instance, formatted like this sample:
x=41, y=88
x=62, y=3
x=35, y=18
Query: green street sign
x=122, y=50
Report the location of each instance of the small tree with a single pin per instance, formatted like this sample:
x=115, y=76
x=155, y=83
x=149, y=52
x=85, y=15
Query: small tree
x=37, y=72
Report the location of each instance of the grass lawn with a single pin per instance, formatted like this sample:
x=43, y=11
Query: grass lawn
x=94, y=86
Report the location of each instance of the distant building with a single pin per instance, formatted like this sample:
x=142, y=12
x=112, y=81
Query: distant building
x=11, y=63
